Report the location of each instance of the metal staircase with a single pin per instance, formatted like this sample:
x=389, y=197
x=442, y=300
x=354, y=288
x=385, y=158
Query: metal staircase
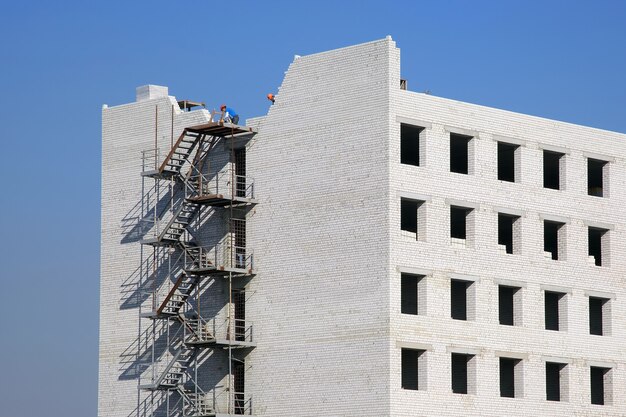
x=176, y=226
x=172, y=375
x=180, y=153
x=191, y=333
x=177, y=296
x=196, y=404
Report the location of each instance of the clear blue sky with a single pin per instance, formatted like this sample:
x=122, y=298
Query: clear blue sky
x=60, y=61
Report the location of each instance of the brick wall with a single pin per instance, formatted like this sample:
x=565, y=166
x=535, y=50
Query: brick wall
x=488, y=266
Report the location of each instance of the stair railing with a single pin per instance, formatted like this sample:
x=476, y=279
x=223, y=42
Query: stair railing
x=223, y=255
x=150, y=159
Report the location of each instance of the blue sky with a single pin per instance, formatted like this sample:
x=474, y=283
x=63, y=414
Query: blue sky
x=60, y=61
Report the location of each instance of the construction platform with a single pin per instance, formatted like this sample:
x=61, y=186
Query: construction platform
x=221, y=200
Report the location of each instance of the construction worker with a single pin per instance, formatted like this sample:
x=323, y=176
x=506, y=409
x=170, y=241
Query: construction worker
x=230, y=115
x=271, y=97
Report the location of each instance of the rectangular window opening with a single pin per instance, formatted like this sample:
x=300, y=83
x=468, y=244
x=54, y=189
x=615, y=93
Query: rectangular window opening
x=460, y=153
x=459, y=223
x=410, y=144
x=463, y=373
x=413, y=218
x=599, y=316
x=413, y=298
x=461, y=299
x=598, y=246
x=239, y=387
x=596, y=172
x=509, y=305
x=556, y=381
x=552, y=233
x=600, y=385
x=552, y=169
x=413, y=369
x=507, y=166
x=408, y=215
x=240, y=172
x=508, y=232
x=555, y=310
x=510, y=377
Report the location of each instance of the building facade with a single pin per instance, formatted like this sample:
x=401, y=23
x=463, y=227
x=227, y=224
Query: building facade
x=361, y=250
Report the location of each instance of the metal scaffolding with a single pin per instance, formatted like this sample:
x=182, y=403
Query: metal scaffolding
x=181, y=334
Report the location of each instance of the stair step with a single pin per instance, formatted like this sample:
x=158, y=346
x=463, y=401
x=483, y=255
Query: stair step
x=175, y=305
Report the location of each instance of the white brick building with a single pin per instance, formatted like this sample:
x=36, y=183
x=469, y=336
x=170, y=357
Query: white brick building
x=401, y=255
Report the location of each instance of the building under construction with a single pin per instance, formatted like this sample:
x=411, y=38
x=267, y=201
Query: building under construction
x=361, y=250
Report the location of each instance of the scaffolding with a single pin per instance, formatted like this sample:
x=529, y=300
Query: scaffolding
x=182, y=334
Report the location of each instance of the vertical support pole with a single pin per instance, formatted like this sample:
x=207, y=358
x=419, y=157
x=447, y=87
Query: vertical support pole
x=230, y=275
x=156, y=127
x=198, y=308
x=156, y=200
x=230, y=347
x=154, y=281
x=171, y=146
x=153, y=353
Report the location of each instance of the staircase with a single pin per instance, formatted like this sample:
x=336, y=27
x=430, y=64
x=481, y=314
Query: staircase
x=178, y=295
x=195, y=404
x=184, y=167
x=177, y=225
x=180, y=153
x=199, y=330
x=172, y=375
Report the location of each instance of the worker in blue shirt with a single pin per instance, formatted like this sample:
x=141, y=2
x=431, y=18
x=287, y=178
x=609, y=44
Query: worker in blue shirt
x=230, y=115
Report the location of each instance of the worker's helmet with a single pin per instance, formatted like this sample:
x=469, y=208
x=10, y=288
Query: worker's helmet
x=270, y=96
x=223, y=107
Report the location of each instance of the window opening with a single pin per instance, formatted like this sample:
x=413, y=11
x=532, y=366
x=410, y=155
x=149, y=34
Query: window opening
x=459, y=153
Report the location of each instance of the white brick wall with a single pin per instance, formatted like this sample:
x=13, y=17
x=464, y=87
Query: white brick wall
x=329, y=251
x=491, y=266
x=321, y=234
x=126, y=131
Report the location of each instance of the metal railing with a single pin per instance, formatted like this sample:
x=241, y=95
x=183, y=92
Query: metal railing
x=220, y=257
x=154, y=226
x=239, y=403
x=150, y=159
x=223, y=183
x=158, y=224
x=234, y=330
x=157, y=294
x=216, y=401
x=217, y=116
x=154, y=373
x=198, y=404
